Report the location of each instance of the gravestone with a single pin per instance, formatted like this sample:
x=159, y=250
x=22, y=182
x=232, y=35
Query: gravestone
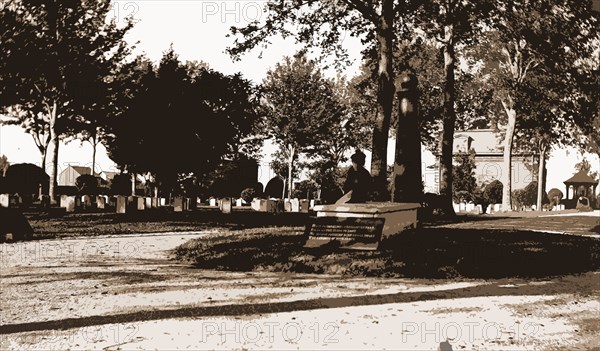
x=361, y=225
x=462, y=207
x=155, y=202
x=295, y=204
x=178, y=204
x=163, y=201
x=497, y=207
x=148, y=202
x=287, y=205
x=86, y=201
x=139, y=203
x=212, y=202
x=238, y=202
x=225, y=205
x=304, y=205
x=121, y=204
x=101, y=202
x=5, y=200
x=68, y=203
x=456, y=207
x=470, y=207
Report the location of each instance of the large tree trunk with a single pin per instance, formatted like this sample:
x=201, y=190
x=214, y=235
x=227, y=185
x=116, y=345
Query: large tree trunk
x=94, y=145
x=507, y=169
x=53, y=147
x=385, y=100
x=291, y=154
x=448, y=122
x=540, y=180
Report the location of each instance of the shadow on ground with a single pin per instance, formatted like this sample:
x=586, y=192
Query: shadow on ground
x=428, y=253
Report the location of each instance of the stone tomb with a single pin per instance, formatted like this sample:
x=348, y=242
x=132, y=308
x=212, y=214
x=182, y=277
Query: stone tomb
x=360, y=226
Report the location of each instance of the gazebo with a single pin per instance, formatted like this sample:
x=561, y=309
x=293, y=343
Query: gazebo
x=580, y=184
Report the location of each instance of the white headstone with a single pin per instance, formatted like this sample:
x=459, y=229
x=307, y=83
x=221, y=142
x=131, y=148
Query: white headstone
x=121, y=205
x=470, y=207
x=456, y=207
x=462, y=207
x=479, y=209
x=148, y=202
x=238, y=202
x=295, y=205
x=139, y=203
x=163, y=201
x=68, y=202
x=178, y=204
x=212, y=202
x=497, y=207
x=226, y=205
x=100, y=202
x=4, y=200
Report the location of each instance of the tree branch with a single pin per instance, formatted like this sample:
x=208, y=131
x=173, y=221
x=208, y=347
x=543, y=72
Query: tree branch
x=363, y=8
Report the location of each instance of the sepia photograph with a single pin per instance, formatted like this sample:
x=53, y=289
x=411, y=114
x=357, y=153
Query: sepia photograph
x=300, y=175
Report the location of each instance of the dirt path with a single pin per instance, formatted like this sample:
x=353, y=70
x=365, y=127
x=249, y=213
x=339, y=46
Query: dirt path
x=124, y=292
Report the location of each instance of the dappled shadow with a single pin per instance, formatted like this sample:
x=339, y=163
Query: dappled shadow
x=497, y=289
x=427, y=253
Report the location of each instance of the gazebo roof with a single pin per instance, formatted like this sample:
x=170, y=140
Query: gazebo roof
x=581, y=177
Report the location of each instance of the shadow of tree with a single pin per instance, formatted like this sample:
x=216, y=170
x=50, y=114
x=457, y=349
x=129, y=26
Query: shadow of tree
x=427, y=253
x=496, y=289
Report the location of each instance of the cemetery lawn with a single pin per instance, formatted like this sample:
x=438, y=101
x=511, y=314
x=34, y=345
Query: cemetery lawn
x=48, y=226
x=500, y=283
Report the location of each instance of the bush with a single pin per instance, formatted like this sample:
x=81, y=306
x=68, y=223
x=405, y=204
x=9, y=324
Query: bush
x=121, y=185
x=555, y=196
x=492, y=193
x=248, y=194
x=87, y=184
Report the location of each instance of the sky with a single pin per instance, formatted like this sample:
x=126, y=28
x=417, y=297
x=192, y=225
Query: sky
x=198, y=31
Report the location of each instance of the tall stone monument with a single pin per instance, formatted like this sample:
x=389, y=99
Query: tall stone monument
x=365, y=225
x=407, y=183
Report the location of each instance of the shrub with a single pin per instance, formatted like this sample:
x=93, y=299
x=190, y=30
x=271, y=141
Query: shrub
x=248, y=194
x=121, y=185
x=555, y=196
x=492, y=194
x=87, y=184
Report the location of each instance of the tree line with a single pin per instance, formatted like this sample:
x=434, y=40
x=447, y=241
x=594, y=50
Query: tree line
x=525, y=68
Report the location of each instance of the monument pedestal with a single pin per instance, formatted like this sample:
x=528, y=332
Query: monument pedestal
x=362, y=225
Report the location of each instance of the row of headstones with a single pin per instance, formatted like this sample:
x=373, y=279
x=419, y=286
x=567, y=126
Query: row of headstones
x=492, y=208
x=282, y=205
x=120, y=204
x=8, y=201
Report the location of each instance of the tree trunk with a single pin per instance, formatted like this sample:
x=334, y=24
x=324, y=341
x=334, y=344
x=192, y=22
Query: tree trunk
x=53, y=146
x=291, y=152
x=507, y=171
x=94, y=145
x=385, y=100
x=132, y=184
x=449, y=123
x=541, y=167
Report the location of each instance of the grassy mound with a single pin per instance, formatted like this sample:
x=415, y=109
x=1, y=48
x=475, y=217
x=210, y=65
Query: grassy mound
x=429, y=253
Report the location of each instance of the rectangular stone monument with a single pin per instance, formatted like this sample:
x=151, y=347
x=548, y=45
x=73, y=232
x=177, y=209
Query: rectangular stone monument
x=462, y=207
x=155, y=202
x=178, y=204
x=148, y=202
x=456, y=207
x=139, y=203
x=479, y=209
x=238, y=202
x=497, y=207
x=212, y=202
x=121, y=204
x=5, y=200
x=287, y=205
x=295, y=205
x=68, y=203
x=362, y=225
x=100, y=202
x=226, y=205
x=86, y=201
x=311, y=204
x=163, y=201
x=304, y=205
